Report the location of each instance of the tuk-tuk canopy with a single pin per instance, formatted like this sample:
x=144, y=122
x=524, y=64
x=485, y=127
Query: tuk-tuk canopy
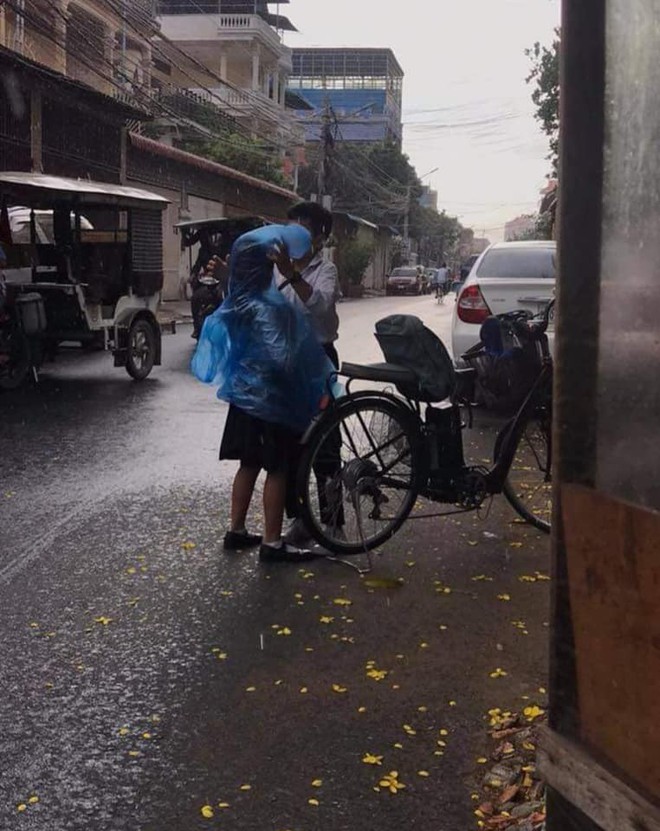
x=38, y=190
x=194, y=230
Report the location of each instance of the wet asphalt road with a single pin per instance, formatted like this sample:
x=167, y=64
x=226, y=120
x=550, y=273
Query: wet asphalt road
x=146, y=674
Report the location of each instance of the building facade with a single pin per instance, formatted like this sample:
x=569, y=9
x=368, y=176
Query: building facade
x=362, y=88
x=519, y=228
x=106, y=44
x=231, y=52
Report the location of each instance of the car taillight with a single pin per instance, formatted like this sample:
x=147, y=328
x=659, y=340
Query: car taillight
x=471, y=307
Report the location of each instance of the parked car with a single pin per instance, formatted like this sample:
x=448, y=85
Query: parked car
x=405, y=280
x=506, y=277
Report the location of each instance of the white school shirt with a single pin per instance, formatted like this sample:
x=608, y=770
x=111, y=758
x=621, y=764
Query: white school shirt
x=321, y=275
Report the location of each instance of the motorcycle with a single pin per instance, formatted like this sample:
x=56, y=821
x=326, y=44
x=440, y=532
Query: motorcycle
x=207, y=294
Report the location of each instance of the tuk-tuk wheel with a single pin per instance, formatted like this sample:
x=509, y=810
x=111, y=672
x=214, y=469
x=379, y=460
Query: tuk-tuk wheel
x=141, y=349
x=17, y=366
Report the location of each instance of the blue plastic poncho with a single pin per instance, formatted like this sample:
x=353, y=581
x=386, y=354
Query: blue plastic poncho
x=258, y=347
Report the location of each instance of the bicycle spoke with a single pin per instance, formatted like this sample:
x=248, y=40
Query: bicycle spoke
x=361, y=477
x=529, y=487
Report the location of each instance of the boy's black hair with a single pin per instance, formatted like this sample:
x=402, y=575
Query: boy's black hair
x=318, y=217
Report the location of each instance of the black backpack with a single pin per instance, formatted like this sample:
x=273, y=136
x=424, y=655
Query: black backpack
x=407, y=342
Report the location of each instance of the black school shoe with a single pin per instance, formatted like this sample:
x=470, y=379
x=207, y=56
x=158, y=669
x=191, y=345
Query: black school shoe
x=285, y=553
x=238, y=540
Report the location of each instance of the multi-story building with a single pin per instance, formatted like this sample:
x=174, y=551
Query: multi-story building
x=362, y=87
x=429, y=198
x=231, y=51
x=519, y=228
x=106, y=44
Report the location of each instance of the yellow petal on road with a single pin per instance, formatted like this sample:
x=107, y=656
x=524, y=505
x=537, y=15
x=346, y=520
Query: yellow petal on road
x=250, y=689
x=21, y=807
x=342, y=601
x=326, y=619
x=316, y=783
x=223, y=805
x=207, y=812
x=188, y=546
x=504, y=597
x=245, y=788
x=371, y=759
x=338, y=688
x=482, y=760
x=104, y=621
x=33, y=800
x=423, y=773
x=313, y=802
x=303, y=690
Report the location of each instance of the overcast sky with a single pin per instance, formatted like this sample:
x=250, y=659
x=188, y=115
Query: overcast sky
x=467, y=108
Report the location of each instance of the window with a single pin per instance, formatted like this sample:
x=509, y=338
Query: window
x=519, y=264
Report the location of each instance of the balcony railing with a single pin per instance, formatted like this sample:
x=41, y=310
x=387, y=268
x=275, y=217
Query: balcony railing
x=191, y=26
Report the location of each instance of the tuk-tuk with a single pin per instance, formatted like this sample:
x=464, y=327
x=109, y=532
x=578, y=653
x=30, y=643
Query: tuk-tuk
x=82, y=264
x=214, y=238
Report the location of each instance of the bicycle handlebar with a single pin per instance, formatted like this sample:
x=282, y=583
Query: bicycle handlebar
x=523, y=322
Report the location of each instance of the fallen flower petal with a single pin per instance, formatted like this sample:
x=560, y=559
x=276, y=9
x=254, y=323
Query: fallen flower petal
x=371, y=759
x=207, y=811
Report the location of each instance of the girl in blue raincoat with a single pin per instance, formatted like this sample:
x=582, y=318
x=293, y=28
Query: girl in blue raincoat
x=269, y=366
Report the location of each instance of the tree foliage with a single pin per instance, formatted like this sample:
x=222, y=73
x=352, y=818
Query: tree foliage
x=544, y=75
x=378, y=182
x=251, y=156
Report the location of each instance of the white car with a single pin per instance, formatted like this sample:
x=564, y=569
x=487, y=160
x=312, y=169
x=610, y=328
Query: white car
x=508, y=276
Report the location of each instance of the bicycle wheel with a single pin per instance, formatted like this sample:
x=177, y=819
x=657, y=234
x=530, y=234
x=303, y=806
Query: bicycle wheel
x=528, y=487
x=359, y=474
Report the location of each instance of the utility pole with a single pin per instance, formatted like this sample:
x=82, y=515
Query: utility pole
x=406, y=218
x=327, y=143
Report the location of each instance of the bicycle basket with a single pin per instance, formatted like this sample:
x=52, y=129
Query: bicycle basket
x=506, y=369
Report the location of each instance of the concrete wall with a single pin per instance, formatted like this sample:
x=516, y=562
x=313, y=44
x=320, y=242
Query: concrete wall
x=197, y=189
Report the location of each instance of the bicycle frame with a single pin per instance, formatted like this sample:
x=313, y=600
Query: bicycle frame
x=507, y=440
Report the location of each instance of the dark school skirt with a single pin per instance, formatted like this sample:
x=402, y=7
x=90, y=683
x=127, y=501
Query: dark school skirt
x=257, y=443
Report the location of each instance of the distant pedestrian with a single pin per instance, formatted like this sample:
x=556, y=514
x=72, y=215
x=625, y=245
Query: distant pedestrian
x=443, y=277
x=273, y=372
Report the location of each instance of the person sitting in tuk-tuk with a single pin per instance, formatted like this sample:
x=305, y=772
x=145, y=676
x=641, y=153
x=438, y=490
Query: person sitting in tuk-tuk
x=209, y=290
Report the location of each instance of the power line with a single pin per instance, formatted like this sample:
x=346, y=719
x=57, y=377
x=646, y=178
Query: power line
x=145, y=98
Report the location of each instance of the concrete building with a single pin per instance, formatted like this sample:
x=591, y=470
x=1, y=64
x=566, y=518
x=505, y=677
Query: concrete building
x=234, y=56
x=519, y=228
x=106, y=45
x=429, y=198
x=362, y=86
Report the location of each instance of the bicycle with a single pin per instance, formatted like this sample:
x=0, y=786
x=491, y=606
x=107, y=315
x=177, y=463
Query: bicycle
x=374, y=453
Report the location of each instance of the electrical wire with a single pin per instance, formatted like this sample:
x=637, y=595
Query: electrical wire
x=144, y=100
